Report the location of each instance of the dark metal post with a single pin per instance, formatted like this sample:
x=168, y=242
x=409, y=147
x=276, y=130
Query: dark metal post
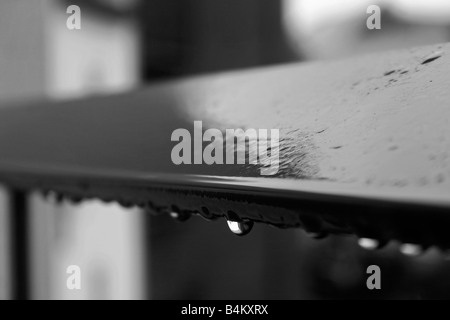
x=19, y=220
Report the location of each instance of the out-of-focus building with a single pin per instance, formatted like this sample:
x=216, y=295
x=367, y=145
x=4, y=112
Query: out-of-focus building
x=40, y=56
x=336, y=29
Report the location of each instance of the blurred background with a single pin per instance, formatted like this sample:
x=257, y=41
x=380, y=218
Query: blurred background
x=124, y=44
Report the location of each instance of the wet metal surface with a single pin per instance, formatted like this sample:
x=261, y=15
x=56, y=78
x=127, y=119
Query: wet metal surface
x=364, y=146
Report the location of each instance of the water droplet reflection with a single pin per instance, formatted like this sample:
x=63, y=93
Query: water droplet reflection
x=240, y=228
x=179, y=216
x=368, y=244
x=174, y=214
x=412, y=250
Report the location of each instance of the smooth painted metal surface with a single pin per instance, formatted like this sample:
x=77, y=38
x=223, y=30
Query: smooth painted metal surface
x=364, y=146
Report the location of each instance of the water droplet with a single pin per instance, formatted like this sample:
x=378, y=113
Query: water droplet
x=240, y=228
x=179, y=215
x=207, y=215
x=59, y=198
x=126, y=204
x=75, y=199
x=49, y=195
x=412, y=250
x=368, y=244
x=174, y=215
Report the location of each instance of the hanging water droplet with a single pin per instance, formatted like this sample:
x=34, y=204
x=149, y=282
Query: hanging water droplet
x=240, y=228
x=178, y=214
x=126, y=203
x=412, y=250
x=140, y=204
x=49, y=195
x=75, y=199
x=59, y=198
x=44, y=193
x=368, y=244
x=206, y=214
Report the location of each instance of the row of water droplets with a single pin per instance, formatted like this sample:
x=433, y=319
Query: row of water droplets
x=243, y=227
x=408, y=249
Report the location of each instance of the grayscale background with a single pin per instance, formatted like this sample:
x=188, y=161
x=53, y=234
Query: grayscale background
x=123, y=44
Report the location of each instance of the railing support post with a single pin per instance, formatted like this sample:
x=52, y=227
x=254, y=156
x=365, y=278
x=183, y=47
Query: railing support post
x=19, y=219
